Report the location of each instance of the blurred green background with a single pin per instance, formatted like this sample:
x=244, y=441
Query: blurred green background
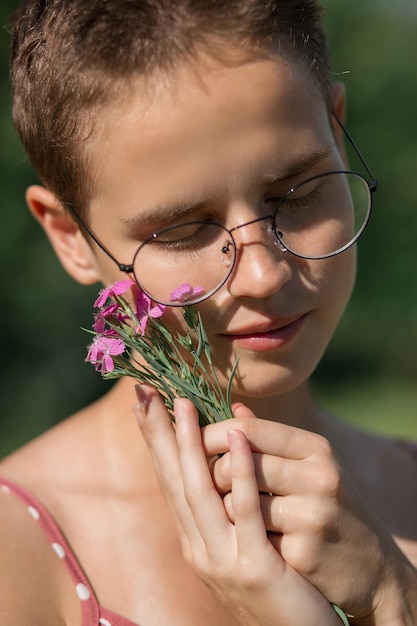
x=370, y=371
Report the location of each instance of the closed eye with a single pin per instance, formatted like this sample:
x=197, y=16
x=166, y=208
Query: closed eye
x=186, y=237
x=292, y=203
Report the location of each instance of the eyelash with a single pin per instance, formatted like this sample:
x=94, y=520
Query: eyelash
x=194, y=240
x=297, y=204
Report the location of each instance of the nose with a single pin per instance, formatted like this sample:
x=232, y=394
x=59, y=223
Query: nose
x=261, y=267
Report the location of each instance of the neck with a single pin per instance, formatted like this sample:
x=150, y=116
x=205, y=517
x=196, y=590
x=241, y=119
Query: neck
x=295, y=408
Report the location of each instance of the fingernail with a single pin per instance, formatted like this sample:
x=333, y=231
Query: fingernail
x=232, y=438
x=143, y=396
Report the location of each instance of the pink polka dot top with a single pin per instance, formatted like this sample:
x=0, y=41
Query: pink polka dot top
x=92, y=613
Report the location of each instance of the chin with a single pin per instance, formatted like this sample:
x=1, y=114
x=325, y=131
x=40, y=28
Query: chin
x=255, y=380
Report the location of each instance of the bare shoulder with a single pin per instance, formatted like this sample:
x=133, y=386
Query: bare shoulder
x=45, y=460
x=34, y=587
x=385, y=471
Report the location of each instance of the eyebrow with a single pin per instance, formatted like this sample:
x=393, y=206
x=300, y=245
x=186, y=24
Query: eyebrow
x=183, y=209
x=301, y=167
x=163, y=213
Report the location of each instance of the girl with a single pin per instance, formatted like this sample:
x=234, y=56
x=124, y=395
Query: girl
x=202, y=139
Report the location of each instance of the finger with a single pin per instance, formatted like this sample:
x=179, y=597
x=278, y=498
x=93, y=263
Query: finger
x=201, y=495
x=274, y=474
x=288, y=516
x=158, y=432
x=250, y=529
x=272, y=509
x=264, y=436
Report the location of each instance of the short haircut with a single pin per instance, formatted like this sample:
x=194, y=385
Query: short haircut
x=70, y=58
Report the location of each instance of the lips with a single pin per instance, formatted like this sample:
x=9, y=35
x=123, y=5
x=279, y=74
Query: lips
x=265, y=327
x=267, y=335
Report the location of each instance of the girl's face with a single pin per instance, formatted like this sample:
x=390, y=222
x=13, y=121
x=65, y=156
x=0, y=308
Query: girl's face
x=217, y=143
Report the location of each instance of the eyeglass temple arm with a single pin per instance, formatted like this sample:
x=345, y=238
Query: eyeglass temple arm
x=128, y=269
x=373, y=184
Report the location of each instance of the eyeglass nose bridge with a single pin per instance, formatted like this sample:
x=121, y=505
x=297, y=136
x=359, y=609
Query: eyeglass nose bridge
x=271, y=230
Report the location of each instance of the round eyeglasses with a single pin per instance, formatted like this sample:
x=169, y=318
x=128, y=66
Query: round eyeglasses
x=316, y=219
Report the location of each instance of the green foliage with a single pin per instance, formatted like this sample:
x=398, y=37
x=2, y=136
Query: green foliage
x=43, y=348
x=371, y=44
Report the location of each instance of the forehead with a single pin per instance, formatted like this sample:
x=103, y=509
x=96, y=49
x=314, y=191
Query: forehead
x=204, y=130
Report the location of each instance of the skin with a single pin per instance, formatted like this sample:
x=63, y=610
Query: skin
x=186, y=529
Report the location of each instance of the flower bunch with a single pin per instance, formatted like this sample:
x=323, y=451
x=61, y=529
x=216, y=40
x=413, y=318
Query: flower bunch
x=133, y=341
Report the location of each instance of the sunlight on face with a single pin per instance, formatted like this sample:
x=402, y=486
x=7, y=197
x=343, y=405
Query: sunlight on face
x=217, y=143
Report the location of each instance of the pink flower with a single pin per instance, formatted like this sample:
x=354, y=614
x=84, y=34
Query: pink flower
x=102, y=349
x=112, y=310
x=185, y=292
x=99, y=325
x=144, y=306
x=145, y=309
x=117, y=289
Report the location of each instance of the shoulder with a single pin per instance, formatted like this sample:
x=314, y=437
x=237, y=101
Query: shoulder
x=32, y=582
x=35, y=587
x=385, y=467
x=46, y=459
x=385, y=471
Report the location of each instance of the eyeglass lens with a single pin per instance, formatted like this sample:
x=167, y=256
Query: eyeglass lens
x=316, y=219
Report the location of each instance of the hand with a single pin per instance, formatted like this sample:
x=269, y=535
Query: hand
x=316, y=519
x=236, y=559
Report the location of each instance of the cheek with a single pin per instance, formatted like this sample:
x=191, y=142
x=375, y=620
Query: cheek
x=174, y=321
x=336, y=280
x=107, y=269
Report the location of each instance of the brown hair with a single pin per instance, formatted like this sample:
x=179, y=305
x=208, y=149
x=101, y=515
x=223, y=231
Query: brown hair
x=69, y=58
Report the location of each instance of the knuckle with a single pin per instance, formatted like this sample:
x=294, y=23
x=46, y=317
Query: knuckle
x=242, y=506
x=320, y=523
x=251, y=428
x=328, y=482
x=211, y=572
x=322, y=446
x=249, y=577
x=325, y=472
x=192, y=495
x=303, y=559
x=202, y=567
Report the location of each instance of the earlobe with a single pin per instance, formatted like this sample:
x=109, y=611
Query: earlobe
x=70, y=246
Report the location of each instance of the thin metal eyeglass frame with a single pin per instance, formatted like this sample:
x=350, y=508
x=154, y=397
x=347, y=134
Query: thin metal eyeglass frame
x=129, y=268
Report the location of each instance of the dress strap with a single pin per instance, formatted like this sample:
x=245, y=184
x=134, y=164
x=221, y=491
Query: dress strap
x=39, y=514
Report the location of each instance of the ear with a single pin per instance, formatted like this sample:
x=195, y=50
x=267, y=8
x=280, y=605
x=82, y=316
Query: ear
x=339, y=107
x=63, y=232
